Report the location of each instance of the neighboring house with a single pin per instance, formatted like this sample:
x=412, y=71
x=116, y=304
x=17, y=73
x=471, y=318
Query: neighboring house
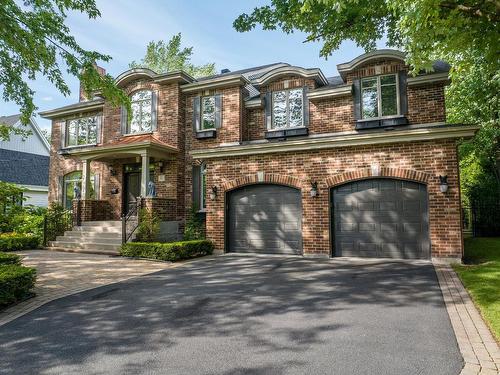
x=25, y=162
x=279, y=158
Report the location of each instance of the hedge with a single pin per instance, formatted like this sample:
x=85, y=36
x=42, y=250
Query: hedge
x=16, y=283
x=171, y=251
x=6, y=258
x=16, y=241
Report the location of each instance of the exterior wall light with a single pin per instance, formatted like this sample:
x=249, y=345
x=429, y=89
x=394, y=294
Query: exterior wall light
x=443, y=183
x=112, y=171
x=314, y=189
x=213, y=193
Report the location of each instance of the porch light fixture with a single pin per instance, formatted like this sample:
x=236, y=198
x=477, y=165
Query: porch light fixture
x=443, y=183
x=314, y=189
x=160, y=165
x=213, y=193
x=112, y=171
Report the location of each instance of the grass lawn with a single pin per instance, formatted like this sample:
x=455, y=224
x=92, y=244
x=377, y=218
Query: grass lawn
x=481, y=276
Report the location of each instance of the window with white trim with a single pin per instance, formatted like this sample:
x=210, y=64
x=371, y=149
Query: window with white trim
x=379, y=96
x=207, y=113
x=81, y=131
x=72, y=183
x=142, y=112
x=287, y=109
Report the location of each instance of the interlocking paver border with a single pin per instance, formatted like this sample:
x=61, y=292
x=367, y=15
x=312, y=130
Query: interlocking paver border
x=479, y=348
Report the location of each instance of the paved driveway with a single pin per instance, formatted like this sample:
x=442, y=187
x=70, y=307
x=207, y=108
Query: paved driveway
x=244, y=315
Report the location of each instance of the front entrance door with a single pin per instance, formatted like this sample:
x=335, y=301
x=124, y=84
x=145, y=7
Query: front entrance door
x=132, y=190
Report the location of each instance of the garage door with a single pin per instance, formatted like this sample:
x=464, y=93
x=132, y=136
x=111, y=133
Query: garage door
x=265, y=219
x=383, y=218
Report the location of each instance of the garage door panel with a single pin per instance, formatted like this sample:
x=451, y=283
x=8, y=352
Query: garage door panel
x=381, y=218
x=265, y=219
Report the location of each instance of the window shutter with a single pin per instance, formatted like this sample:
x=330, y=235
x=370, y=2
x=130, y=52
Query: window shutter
x=196, y=113
x=305, y=103
x=60, y=188
x=196, y=186
x=403, y=97
x=356, y=87
x=99, y=129
x=154, y=110
x=97, y=186
x=63, y=133
x=124, y=120
x=269, y=110
x=218, y=111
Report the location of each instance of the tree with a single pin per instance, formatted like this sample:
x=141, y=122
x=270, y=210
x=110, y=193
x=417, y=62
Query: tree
x=462, y=32
x=34, y=42
x=163, y=57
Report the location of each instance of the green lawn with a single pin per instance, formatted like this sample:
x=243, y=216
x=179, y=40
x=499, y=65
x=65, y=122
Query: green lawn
x=481, y=276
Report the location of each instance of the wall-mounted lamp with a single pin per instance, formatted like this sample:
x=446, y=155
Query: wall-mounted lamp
x=160, y=165
x=112, y=171
x=314, y=189
x=443, y=183
x=213, y=193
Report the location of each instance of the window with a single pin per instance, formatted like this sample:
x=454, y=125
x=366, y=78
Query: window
x=207, y=113
x=379, y=96
x=142, y=112
x=72, y=180
x=82, y=131
x=203, y=186
x=287, y=109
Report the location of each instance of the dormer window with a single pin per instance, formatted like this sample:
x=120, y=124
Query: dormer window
x=287, y=109
x=379, y=96
x=143, y=119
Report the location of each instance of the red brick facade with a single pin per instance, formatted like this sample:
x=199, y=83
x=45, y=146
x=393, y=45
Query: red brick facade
x=418, y=160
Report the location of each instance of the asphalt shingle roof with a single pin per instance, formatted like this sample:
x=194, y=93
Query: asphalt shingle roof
x=24, y=168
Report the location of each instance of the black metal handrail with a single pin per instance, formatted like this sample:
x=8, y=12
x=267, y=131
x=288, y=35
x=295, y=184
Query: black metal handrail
x=130, y=221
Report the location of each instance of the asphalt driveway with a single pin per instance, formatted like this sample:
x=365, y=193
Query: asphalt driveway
x=244, y=315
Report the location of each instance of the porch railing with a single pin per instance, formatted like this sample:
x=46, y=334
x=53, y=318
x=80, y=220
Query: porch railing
x=130, y=221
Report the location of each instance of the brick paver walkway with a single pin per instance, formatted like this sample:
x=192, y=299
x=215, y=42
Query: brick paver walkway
x=478, y=347
x=61, y=274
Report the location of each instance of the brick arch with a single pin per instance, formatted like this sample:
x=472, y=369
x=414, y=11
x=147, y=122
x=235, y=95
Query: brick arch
x=365, y=173
x=268, y=178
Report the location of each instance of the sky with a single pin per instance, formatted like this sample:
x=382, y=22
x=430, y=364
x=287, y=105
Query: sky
x=126, y=26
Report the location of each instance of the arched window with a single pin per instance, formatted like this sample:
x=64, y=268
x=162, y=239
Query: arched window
x=142, y=120
x=74, y=180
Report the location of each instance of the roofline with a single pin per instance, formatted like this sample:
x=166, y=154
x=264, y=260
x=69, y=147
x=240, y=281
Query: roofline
x=86, y=106
x=428, y=78
x=218, y=82
x=421, y=132
x=347, y=67
x=136, y=73
x=315, y=73
x=333, y=92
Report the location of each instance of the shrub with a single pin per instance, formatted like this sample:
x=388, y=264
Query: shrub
x=16, y=241
x=149, y=226
x=6, y=258
x=194, y=229
x=16, y=283
x=171, y=251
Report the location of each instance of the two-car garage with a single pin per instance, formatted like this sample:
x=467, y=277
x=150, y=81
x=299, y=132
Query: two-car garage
x=378, y=217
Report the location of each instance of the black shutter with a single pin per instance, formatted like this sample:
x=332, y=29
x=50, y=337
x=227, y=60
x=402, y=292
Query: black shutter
x=196, y=113
x=403, y=97
x=123, y=120
x=356, y=88
x=305, y=103
x=154, y=109
x=218, y=111
x=269, y=110
x=196, y=186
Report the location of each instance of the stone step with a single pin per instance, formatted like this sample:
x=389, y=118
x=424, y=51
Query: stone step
x=92, y=235
x=83, y=251
x=97, y=229
x=85, y=246
x=107, y=223
x=85, y=239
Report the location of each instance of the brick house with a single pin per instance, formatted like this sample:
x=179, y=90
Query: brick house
x=277, y=158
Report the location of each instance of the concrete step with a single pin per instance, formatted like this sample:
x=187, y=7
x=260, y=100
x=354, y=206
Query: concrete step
x=92, y=235
x=107, y=223
x=97, y=229
x=85, y=239
x=85, y=246
x=83, y=251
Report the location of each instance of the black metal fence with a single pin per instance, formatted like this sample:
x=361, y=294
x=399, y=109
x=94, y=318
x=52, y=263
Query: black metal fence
x=481, y=219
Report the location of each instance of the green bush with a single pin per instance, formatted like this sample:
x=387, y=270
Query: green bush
x=171, y=251
x=195, y=226
x=6, y=258
x=149, y=226
x=16, y=283
x=16, y=241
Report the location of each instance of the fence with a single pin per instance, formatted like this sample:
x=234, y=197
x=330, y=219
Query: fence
x=482, y=219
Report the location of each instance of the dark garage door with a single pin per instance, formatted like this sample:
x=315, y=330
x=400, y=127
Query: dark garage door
x=265, y=219
x=383, y=218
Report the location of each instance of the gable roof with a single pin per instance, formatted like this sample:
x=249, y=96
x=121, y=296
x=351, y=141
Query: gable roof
x=15, y=120
x=24, y=168
x=10, y=120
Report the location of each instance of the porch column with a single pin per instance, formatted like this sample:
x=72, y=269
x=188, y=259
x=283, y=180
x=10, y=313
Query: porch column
x=86, y=179
x=144, y=173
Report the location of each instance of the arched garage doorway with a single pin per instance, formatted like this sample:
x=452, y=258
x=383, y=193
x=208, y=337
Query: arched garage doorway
x=264, y=218
x=382, y=218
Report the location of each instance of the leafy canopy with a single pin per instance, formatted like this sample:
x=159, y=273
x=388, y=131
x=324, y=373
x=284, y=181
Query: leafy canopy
x=163, y=57
x=35, y=42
